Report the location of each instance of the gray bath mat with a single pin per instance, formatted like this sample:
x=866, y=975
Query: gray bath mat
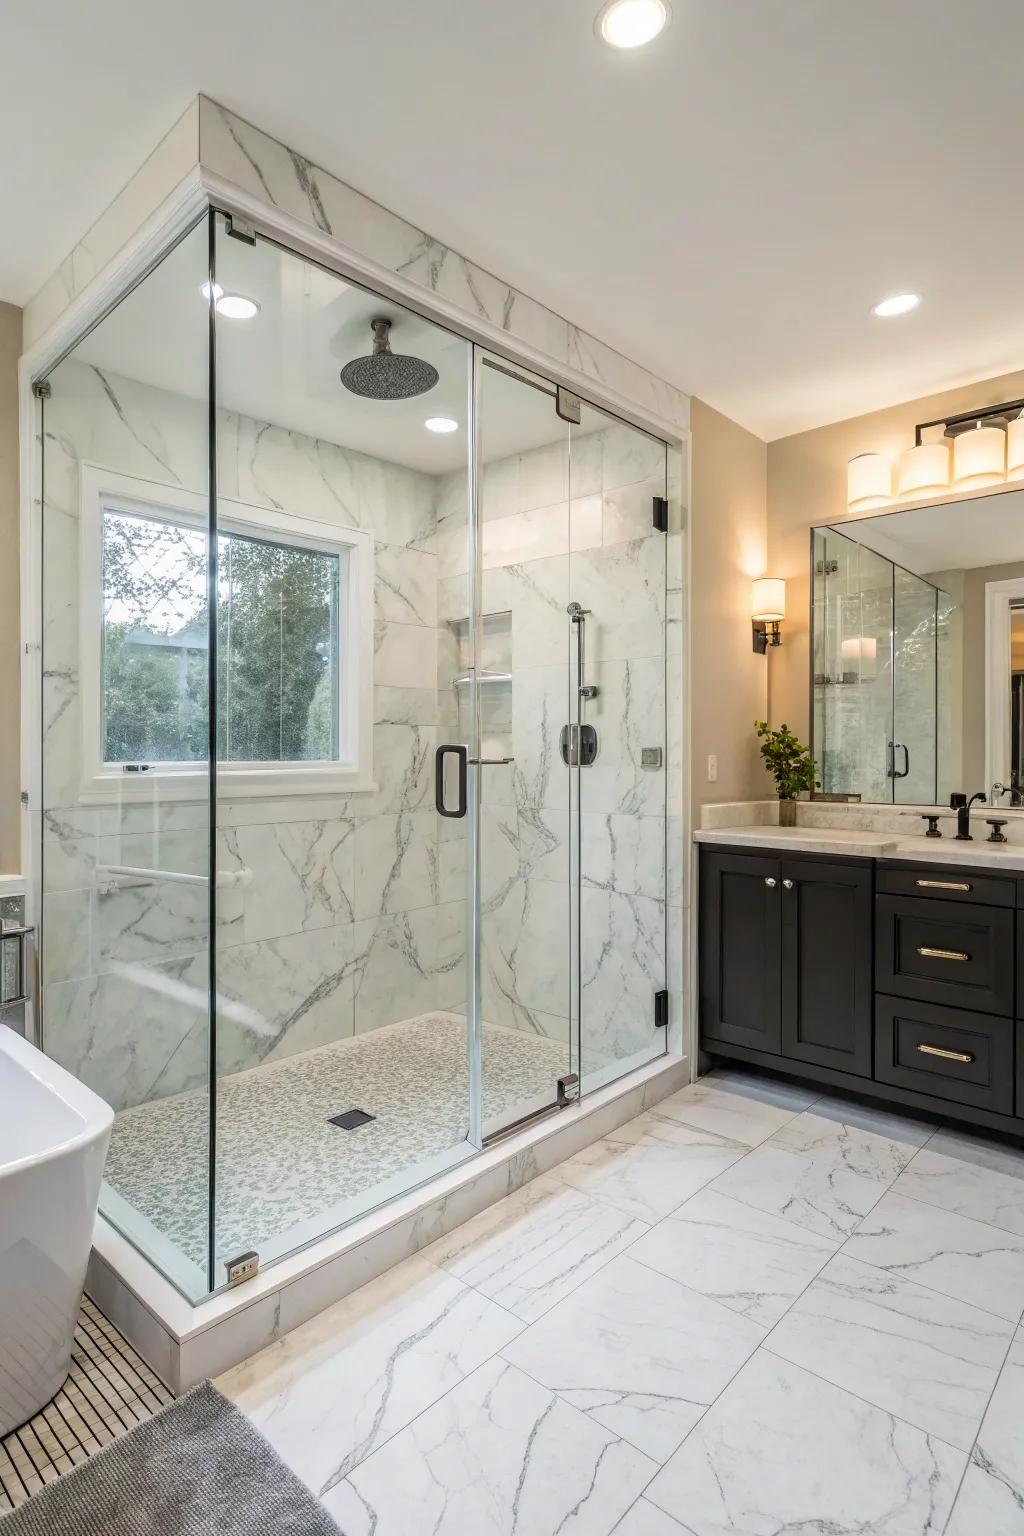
x=196, y=1468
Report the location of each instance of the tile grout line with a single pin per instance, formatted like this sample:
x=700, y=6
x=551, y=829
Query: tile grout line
x=981, y=1424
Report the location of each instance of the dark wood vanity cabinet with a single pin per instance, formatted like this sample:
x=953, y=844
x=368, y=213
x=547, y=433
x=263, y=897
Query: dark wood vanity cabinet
x=786, y=957
x=900, y=980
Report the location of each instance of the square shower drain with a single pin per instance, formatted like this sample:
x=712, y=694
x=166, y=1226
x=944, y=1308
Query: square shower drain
x=352, y=1119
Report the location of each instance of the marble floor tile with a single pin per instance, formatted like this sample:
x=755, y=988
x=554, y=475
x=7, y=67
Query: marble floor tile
x=914, y=1129
x=329, y=1393
x=533, y=1248
x=637, y=1352
x=991, y=1500
x=735, y=1107
x=646, y=1519
x=836, y=1144
x=784, y=1452
x=969, y=1189
x=749, y=1261
x=828, y=1200
x=965, y=1259
x=923, y=1357
x=500, y=1454
x=649, y=1167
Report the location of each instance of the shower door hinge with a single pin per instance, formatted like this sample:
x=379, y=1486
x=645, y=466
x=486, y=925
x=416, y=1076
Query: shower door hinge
x=660, y=1010
x=568, y=1089
x=239, y=229
x=661, y=513
x=41, y=389
x=243, y=1268
x=568, y=406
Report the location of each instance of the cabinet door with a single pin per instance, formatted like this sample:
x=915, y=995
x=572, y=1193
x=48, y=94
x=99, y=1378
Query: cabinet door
x=739, y=949
x=826, y=964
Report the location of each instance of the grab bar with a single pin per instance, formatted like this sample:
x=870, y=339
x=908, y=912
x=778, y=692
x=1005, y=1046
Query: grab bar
x=225, y=877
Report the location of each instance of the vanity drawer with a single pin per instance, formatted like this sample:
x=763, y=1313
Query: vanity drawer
x=945, y=952
x=963, y=885
x=947, y=1052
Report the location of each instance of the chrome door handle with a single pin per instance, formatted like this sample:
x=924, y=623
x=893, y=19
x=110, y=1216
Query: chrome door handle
x=491, y=762
x=770, y=882
x=787, y=885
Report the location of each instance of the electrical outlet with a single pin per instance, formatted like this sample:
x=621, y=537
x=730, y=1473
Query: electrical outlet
x=712, y=768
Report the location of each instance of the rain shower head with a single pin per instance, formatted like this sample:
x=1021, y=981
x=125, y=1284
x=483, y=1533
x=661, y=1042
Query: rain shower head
x=387, y=375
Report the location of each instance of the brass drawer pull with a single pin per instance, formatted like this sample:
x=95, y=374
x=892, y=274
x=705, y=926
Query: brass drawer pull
x=944, y=885
x=941, y=954
x=936, y=1050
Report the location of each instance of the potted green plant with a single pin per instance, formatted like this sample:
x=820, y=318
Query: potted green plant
x=790, y=764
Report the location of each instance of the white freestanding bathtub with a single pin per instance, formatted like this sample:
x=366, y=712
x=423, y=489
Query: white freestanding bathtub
x=53, y=1141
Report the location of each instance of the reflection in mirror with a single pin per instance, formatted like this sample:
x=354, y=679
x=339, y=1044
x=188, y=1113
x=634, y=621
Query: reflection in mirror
x=917, y=653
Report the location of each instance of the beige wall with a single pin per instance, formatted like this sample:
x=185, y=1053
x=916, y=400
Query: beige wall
x=10, y=648
x=807, y=485
x=729, y=682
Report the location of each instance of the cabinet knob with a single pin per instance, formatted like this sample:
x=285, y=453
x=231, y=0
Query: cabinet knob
x=788, y=884
x=770, y=881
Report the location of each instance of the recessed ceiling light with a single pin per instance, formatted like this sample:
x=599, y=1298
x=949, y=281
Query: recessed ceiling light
x=631, y=23
x=213, y=289
x=235, y=306
x=441, y=424
x=899, y=304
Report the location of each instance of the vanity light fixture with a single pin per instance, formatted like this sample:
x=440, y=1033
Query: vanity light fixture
x=899, y=304
x=1015, y=448
x=979, y=456
x=235, y=306
x=631, y=23
x=441, y=424
x=924, y=469
x=767, y=610
x=868, y=482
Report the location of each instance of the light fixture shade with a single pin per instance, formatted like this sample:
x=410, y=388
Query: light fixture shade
x=868, y=481
x=859, y=648
x=1015, y=449
x=979, y=457
x=768, y=599
x=924, y=469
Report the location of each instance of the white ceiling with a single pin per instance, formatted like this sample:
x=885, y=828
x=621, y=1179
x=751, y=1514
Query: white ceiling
x=953, y=536
x=725, y=205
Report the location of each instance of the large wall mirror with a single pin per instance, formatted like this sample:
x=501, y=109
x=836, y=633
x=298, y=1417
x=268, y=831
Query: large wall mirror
x=917, y=653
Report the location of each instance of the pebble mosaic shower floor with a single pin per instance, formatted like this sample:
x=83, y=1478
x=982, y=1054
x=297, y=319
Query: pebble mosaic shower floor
x=280, y=1161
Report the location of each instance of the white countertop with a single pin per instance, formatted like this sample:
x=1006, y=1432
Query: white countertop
x=869, y=845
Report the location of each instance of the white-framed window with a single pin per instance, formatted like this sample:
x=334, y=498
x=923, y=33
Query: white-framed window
x=294, y=646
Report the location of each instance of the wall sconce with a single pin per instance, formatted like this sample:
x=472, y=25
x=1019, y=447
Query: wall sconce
x=868, y=482
x=767, y=610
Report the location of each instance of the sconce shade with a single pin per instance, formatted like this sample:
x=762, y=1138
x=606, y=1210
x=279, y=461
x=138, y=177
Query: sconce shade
x=868, y=481
x=924, y=469
x=979, y=457
x=768, y=599
x=859, y=648
x=1015, y=449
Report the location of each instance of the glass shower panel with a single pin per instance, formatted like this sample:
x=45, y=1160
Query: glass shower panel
x=618, y=775
x=125, y=814
x=343, y=1043
x=915, y=683
x=523, y=700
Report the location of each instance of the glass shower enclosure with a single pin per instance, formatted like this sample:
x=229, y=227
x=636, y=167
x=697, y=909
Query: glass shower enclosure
x=352, y=845
x=880, y=674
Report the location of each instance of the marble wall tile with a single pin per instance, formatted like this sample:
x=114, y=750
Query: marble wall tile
x=301, y=875
x=284, y=995
x=623, y=585
x=396, y=863
x=628, y=714
x=525, y=958
x=68, y=916
x=394, y=967
x=404, y=655
x=622, y=965
x=405, y=585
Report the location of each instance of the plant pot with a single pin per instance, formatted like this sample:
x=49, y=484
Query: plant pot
x=787, y=813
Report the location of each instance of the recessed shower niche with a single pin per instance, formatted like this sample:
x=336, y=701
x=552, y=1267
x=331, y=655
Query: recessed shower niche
x=308, y=840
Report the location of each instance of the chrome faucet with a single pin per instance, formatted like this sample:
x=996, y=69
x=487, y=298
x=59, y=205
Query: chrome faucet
x=959, y=802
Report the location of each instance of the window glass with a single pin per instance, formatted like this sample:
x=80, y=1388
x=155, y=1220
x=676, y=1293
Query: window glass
x=279, y=619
